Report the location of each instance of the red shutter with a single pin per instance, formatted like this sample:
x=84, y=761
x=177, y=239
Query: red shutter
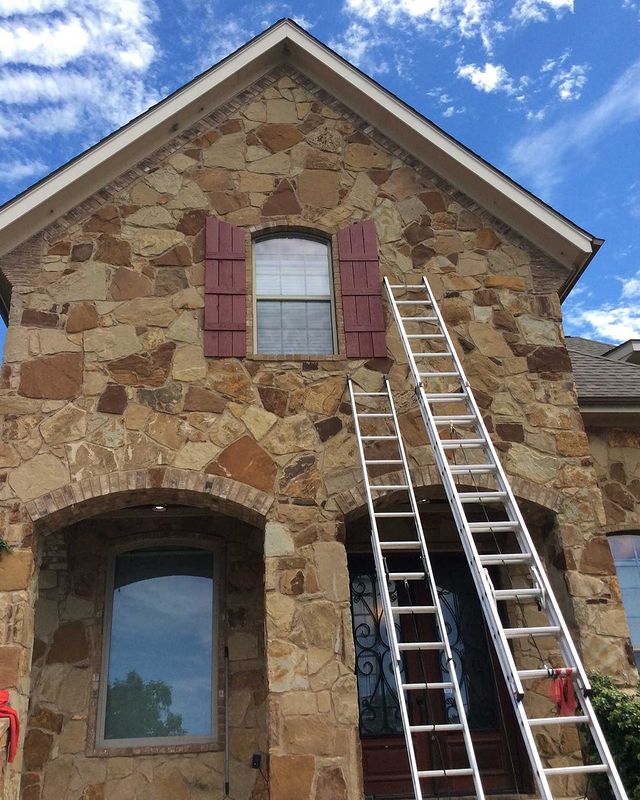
x=364, y=327
x=225, y=287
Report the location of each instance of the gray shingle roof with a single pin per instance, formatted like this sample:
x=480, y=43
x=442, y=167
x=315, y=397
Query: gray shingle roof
x=600, y=379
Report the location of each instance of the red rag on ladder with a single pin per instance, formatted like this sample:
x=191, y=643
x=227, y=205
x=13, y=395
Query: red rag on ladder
x=562, y=694
x=14, y=723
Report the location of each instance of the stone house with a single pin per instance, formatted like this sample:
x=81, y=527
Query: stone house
x=190, y=582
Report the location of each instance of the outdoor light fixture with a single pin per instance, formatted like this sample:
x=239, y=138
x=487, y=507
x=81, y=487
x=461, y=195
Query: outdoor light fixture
x=159, y=508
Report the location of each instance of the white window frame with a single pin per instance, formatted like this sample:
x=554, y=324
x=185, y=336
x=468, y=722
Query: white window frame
x=635, y=535
x=158, y=741
x=291, y=297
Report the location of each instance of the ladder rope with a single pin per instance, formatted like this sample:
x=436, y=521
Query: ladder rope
x=490, y=597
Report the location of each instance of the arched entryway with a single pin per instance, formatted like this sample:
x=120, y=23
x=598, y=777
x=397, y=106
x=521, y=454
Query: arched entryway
x=150, y=603
x=496, y=737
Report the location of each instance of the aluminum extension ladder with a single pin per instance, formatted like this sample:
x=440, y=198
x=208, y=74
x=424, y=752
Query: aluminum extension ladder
x=430, y=369
x=412, y=547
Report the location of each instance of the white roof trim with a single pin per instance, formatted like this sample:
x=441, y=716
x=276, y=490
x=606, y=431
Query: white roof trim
x=47, y=200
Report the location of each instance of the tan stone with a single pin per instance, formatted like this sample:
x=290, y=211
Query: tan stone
x=198, y=399
x=212, y=180
x=136, y=416
x=166, y=181
x=128, y=283
x=277, y=540
x=365, y=156
x=388, y=222
x=87, y=459
x=146, y=311
x=488, y=341
x=539, y=331
x=363, y=192
x=228, y=152
x=88, y=282
x=229, y=378
x=8, y=455
x=277, y=164
x=318, y=187
x=48, y=342
x=109, y=343
x=287, y=666
x=258, y=421
x=143, y=195
x=65, y=425
x=291, y=777
x=189, y=363
x=58, y=377
x=512, y=282
x=196, y=455
x=15, y=570
x=530, y=464
x=292, y=434
x=331, y=567
x=82, y=317
x=151, y=242
x=255, y=111
x=281, y=111
x=471, y=264
x=309, y=735
x=190, y=197
x=251, y=182
x=149, y=368
x=188, y=298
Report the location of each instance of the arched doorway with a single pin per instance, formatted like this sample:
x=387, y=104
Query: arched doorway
x=497, y=740
x=151, y=603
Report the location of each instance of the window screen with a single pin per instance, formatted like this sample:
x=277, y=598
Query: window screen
x=293, y=296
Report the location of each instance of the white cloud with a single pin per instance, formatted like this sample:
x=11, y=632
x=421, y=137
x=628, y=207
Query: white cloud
x=541, y=156
x=14, y=171
x=538, y=10
x=490, y=78
x=569, y=83
x=631, y=286
x=613, y=323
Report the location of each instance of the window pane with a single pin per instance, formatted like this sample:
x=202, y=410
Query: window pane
x=290, y=266
x=293, y=326
x=161, y=648
x=626, y=554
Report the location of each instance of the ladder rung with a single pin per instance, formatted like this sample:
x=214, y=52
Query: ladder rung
x=505, y=558
x=534, y=674
x=437, y=374
x=394, y=514
x=445, y=354
x=489, y=527
x=406, y=286
x=383, y=461
x=543, y=630
x=388, y=486
x=421, y=646
x=514, y=594
x=413, y=609
x=482, y=497
x=370, y=394
x=410, y=545
x=411, y=687
x=461, y=469
x=582, y=768
x=419, y=319
x=425, y=335
x=452, y=444
x=447, y=420
x=373, y=414
x=445, y=773
x=406, y=576
x=436, y=728
x=540, y=722
x=413, y=302
x=446, y=397
x=387, y=437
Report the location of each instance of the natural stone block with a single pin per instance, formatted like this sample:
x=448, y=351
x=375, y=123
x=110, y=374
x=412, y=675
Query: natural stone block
x=56, y=378
x=365, y=156
x=512, y=282
x=115, y=342
x=113, y=400
x=65, y=425
x=167, y=399
x=146, y=311
x=291, y=777
x=318, y=187
x=246, y=462
x=150, y=368
x=113, y=251
x=10, y=659
x=82, y=317
x=199, y=399
x=16, y=568
x=281, y=111
x=88, y=282
x=39, y=319
x=37, y=749
x=283, y=201
x=279, y=136
x=128, y=283
x=228, y=152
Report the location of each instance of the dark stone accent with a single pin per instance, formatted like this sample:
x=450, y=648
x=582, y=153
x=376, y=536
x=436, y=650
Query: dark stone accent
x=81, y=252
x=113, y=400
x=328, y=427
x=39, y=319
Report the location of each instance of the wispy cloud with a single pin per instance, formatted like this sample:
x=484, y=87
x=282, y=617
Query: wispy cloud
x=631, y=286
x=358, y=44
x=526, y=11
x=569, y=83
x=541, y=157
x=611, y=322
x=13, y=171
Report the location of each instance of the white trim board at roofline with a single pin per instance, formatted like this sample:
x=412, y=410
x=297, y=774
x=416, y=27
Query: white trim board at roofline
x=286, y=42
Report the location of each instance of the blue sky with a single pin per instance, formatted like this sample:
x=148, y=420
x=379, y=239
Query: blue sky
x=547, y=90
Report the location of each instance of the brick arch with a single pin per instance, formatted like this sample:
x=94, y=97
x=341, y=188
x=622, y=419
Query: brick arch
x=352, y=502
x=121, y=489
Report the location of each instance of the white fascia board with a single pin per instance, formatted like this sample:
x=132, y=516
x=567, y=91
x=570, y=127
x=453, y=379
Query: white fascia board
x=54, y=196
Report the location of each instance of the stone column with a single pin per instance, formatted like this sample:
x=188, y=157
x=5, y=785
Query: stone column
x=313, y=705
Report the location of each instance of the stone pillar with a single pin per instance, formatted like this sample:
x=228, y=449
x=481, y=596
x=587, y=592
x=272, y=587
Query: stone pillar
x=18, y=592
x=313, y=704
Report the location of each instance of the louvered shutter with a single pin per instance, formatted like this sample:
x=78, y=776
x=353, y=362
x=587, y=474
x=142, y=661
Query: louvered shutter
x=361, y=287
x=225, y=286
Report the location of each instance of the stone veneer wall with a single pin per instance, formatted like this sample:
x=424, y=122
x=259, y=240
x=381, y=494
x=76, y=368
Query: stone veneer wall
x=104, y=378
x=616, y=454
x=60, y=759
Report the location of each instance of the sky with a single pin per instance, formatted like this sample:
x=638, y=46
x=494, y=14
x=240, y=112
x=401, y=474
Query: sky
x=546, y=90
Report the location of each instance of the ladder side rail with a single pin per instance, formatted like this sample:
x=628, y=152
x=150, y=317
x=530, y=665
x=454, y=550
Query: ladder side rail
x=603, y=749
x=386, y=603
x=433, y=588
x=480, y=576
x=567, y=646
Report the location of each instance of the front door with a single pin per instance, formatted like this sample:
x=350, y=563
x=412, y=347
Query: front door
x=494, y=731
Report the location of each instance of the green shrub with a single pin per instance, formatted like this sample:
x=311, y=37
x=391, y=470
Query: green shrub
x=5, y=547
x=619, y=716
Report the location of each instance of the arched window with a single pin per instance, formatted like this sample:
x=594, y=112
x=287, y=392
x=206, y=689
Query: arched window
x=626, y=555
x=158, y=682
x=293, y=296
